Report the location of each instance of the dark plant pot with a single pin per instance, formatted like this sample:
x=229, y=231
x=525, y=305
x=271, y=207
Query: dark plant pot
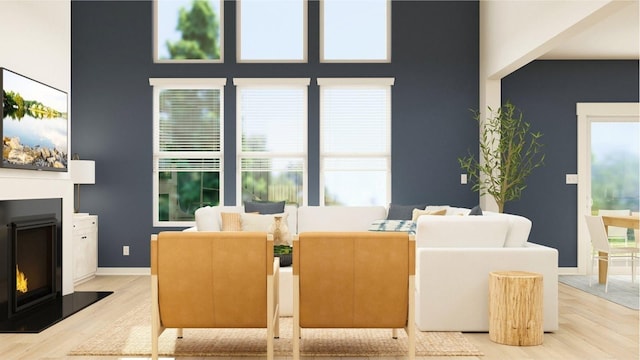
x=285, y=259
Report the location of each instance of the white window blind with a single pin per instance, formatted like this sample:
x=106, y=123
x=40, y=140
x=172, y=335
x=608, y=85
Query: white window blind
x=188, y=143
x=272, y=135
x=355, y=141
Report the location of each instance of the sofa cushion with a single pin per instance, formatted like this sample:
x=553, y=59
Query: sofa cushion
x=417, y=213
x=267, y=223
x=208, y=217
x=402, y=212
x=264, y=207
x=461, y=231
x=338, y=218
x=519, y=229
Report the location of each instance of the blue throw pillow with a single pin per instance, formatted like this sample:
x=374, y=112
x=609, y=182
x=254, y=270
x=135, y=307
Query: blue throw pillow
x=476, y=210
x=264, y=207
x=402, y=212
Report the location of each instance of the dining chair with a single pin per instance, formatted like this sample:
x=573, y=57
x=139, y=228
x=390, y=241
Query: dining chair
x=602, y=250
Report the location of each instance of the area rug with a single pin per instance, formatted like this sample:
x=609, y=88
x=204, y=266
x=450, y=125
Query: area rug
x=621, y=290
x=131, y=336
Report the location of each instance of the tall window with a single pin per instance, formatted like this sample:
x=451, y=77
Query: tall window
x=188, y=30
x=272, y=30
x=272, y=140
x=355, y=31
x=187, y=147
x=355, y=141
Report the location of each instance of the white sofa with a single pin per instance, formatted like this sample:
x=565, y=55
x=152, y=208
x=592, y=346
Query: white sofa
x=454, y=256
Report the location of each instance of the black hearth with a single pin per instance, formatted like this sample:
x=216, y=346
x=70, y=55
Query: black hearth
x=31, y=267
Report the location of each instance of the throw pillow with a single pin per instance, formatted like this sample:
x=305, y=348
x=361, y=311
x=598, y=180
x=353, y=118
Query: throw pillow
x=402, y=212
x=393, y=225
x=417, y=213
x=231, y=221
x=476, y=210
x=264, y=207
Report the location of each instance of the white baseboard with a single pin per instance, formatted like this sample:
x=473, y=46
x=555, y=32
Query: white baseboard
x=568, y=271
x=123, y=271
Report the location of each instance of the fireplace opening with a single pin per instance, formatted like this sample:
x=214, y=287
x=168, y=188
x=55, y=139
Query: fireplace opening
x=33, y=244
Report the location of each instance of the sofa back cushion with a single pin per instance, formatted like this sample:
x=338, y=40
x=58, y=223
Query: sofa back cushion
x=338, y=218
x=519, y=229
x=208, y=217
x=461, y=231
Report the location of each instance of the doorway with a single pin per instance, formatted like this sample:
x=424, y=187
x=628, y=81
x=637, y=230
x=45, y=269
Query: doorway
x=608, y=169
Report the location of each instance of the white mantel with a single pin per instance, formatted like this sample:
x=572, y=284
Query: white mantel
x=24, y=184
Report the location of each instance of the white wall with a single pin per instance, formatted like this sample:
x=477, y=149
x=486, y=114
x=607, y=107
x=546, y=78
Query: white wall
x=514, y=33
x=36, y=42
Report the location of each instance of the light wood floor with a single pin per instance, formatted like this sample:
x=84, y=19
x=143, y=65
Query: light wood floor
x=590, y=328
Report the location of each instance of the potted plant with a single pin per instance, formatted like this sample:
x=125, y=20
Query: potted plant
x=509, y=151
x=284, y=253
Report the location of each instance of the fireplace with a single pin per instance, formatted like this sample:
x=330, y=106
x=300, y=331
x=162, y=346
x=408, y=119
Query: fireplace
x=33, y=250
x=31, y=267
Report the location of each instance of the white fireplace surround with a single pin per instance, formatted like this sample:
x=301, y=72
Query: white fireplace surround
x=29, y=184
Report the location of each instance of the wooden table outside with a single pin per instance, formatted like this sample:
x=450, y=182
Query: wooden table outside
x=629, y=222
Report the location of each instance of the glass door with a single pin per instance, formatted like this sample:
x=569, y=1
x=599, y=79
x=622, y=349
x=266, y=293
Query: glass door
x=608, y=172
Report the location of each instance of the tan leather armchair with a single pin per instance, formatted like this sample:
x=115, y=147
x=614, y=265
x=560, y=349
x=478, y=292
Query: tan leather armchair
x=214, y=280
x=354, y=280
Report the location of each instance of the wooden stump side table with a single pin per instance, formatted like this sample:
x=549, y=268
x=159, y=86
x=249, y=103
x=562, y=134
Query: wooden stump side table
x=515, y=308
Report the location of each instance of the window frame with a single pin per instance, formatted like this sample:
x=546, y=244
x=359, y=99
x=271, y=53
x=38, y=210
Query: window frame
x=323, y=59
x=159, y=84
x=240, y=154
x=156, y=51
x=386, y=155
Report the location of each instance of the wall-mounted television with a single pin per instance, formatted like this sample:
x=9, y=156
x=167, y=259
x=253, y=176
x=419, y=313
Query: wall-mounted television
x=35, y=124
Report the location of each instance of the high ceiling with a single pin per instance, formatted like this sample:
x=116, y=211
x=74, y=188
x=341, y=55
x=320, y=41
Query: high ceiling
x=616, y=37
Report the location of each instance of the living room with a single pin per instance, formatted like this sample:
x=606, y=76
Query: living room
x=101, y=53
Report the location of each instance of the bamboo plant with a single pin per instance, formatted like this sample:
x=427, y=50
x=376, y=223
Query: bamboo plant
x=509, y=152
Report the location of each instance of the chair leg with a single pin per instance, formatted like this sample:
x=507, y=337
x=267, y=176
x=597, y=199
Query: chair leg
x=590, y=272
x=606, y=279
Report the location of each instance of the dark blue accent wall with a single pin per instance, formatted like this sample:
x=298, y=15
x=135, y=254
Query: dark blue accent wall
x=547, y=93
x=434, y=62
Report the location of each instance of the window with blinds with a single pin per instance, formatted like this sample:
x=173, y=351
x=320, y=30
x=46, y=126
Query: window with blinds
x=355, y=141
x=188, y=143
x=272, y=139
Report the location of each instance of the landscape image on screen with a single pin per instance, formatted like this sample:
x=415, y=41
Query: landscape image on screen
x=34, y=124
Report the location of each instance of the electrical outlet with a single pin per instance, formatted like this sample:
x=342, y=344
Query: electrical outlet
x=125, y=250
x=463, y=179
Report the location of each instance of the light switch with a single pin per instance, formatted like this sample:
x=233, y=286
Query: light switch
x=572, y=179
x=463, y=179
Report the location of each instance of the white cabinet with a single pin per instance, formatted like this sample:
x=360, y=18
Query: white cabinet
x=85, y=247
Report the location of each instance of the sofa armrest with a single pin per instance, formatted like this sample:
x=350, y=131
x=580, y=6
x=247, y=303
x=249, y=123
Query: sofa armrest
x=452, y=284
